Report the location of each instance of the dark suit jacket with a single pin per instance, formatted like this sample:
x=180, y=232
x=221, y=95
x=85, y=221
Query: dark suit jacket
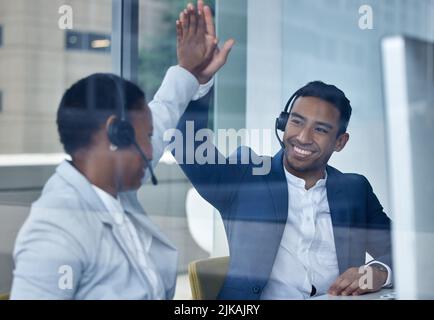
x=254, y=209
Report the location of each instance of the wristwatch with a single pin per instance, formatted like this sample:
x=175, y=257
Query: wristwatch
x=379, y=267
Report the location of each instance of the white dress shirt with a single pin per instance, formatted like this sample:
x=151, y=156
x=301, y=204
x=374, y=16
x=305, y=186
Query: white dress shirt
x=307, y=253
x=139, y=248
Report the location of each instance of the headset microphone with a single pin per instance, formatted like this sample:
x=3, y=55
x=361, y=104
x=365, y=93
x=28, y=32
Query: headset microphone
x=147, y=162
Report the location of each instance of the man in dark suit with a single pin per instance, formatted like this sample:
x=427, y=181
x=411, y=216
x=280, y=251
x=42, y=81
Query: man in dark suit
x=304, y=228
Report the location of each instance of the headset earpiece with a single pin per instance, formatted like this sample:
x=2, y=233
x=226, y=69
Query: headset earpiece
x=281, y=121
x=283, y=118
x=121, y=133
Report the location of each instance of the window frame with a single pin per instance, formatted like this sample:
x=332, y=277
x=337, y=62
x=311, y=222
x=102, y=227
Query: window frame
x=125, y=35
x=1, y=35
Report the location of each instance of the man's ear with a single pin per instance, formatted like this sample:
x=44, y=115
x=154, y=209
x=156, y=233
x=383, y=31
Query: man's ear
x=341, y=141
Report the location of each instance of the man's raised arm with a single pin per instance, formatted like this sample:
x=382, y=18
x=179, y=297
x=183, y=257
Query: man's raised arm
x=199, y=58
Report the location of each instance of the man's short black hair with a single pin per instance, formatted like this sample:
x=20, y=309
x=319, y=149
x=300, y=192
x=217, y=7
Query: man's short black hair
x=332, y=95
x=86, y=106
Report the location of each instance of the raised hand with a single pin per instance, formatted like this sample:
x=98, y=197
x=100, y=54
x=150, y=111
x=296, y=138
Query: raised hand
x=220, y=56
x=194, y=47
x=206, y=57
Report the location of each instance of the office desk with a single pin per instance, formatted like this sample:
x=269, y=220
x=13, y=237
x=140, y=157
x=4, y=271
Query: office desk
x=385, y=294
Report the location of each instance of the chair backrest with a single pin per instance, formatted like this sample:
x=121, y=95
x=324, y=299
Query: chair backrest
x=4, y=296
x=207, y=277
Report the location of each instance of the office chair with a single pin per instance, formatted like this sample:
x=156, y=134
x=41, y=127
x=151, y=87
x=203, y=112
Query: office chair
x=206, y=277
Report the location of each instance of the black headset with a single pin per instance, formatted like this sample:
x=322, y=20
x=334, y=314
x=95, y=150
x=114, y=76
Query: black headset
x=121, y=132
x=284, y=116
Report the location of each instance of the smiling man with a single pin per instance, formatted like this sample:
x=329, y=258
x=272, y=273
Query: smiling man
x=314, y=131
x=303, y=229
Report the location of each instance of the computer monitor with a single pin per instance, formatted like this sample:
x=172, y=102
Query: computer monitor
x=408, y=75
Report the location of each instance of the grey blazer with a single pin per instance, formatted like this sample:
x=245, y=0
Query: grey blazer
x=70, y=247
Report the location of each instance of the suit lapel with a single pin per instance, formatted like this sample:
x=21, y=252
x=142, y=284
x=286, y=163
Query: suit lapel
x=278, y=190
x=340, y=215
x=339, y=210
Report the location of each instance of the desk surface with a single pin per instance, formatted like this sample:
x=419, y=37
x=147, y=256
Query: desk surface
x=385, y=294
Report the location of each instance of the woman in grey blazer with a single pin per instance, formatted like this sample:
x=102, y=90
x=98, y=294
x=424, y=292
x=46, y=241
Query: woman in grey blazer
x=87, y=237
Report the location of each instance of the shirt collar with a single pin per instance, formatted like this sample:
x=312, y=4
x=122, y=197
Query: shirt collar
x=300, y=183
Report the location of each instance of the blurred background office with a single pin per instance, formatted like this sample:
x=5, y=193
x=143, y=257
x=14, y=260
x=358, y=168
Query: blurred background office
x=281, y=45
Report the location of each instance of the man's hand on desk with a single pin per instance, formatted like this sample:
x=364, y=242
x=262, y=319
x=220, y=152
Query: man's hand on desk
x=355, y=281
